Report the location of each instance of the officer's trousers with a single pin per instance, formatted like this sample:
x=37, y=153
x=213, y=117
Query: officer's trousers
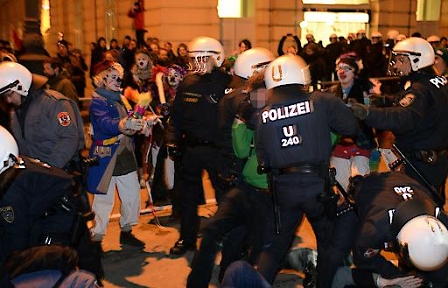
x=241, y=213
x=297, y=195
x=194, y=161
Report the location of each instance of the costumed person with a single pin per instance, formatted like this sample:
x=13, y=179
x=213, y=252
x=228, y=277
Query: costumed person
x=351, y=155
x=420, y=116
x=164, y=176
x=142, y=83
x=192, y=132
x=238, y=222
x=113, y=126
x=397, y=214
x=293, y=145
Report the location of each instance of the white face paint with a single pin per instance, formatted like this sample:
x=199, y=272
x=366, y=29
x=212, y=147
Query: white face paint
x=346, y=74
x=112, y=81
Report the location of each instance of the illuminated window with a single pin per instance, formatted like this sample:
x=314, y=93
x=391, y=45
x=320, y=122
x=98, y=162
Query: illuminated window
x=341, y=2
x=235, y=8
x=229, y=8
x=323, y=24
x=45, y=17
x=110, y=19
x=428, y=10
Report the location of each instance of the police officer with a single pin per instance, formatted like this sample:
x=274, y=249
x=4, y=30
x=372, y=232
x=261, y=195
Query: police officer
x=37, y=207
x=193, y=127
x=241, y=212
x=397, y=214
x=420, y=117
x=46, y=124
x=294, y=146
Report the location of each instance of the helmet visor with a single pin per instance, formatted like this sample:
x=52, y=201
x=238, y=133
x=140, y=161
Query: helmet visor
x=399, y=64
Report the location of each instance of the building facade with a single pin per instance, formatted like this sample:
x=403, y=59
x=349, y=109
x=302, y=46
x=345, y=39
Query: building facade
x=263, y=22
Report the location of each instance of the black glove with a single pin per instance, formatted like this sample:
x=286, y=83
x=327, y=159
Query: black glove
x=245, y=111
x=174, y=152
x=164, y=109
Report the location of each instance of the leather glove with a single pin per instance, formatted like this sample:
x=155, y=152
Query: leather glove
x=174, y=152
x=359, y=110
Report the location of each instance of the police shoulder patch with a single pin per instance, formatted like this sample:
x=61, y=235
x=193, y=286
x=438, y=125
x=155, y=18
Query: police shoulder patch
x=7, y=214
x=64, y=119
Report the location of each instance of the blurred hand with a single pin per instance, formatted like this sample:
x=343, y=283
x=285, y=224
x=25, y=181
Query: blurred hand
x=403, y=282
x=376, y=88
x=359, y=110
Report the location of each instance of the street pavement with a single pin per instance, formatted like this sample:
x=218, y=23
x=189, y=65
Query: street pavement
x=152, y=267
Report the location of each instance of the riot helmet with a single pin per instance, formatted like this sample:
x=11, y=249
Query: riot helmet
x=9, y=151
x=410, y=55
x=287, y=69
x=252, y=60
x=423, y=243
x=200, y=49
x=14, y=77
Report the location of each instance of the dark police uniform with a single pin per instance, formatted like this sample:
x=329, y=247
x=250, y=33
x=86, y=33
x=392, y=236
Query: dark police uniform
x=193, y=125
x=419, y=123
x=48, y=126
x=293, y=140
x=380, y=195
x=37, y=207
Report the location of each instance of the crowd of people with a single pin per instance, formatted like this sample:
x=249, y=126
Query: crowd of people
x=269, y=134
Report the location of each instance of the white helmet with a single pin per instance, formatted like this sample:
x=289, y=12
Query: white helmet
x=14, y=77
x=424, y=242
x=392, y=34
x=200, y=48
x=433, y=38
x=418, y=50
x=9, y=151
x=400, y=37
x=287, y=69
x=254, y=59
x=376, y=34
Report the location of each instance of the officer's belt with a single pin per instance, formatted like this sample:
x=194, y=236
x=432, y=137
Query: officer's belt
x=304, y=169
x=107, y=142
x=260, y=190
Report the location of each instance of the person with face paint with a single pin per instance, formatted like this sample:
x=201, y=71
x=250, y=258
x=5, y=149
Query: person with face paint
x=420, y=116
x=351, y=155
x=113, y=145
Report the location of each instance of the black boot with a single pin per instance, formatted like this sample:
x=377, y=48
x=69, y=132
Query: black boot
x=128, y=239
x=181, y=247
x=310, y=280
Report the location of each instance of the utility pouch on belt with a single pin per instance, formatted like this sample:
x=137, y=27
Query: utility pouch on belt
x=329, y=198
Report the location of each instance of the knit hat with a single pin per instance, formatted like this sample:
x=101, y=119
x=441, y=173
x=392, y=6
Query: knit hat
x=442, y=53
x=102, y=66
x=352, y=60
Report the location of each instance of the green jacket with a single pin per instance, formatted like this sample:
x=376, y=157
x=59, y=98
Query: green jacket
x=242, y=141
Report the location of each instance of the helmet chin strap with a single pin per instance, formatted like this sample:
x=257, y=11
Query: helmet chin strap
x=9, y=86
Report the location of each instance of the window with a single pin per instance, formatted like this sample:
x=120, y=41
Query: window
x=428, y=10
